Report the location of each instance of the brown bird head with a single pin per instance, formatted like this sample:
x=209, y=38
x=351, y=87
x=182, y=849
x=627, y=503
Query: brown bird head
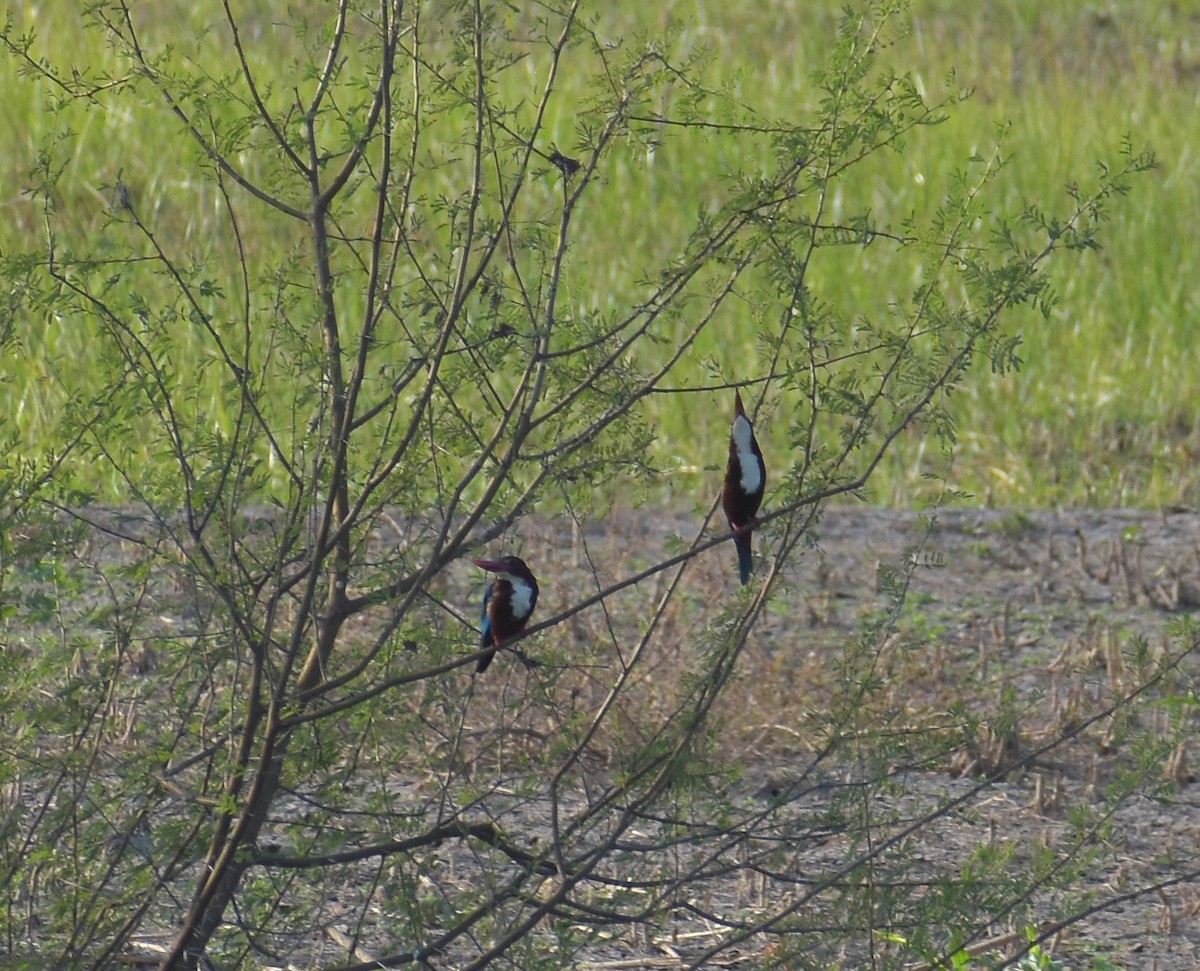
x=511, y=565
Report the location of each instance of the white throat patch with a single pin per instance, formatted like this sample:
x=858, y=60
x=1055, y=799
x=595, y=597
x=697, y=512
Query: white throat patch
x=522, y=596
x=743, y=435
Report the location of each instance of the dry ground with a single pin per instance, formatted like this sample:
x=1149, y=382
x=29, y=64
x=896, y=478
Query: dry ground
x=1045, y=616
x=1050, y=607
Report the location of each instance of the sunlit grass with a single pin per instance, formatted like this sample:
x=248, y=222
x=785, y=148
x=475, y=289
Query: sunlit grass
x=1101, y=412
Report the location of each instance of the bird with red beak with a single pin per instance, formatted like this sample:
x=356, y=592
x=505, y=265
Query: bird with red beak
x=508, y=604
x=745, y=477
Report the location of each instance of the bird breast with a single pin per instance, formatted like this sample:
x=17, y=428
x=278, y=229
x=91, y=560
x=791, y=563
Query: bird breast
x=521, y=600
x=743, y=440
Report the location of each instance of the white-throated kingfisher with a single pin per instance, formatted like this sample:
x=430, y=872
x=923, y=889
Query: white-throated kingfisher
x=508, y=604
x=745, y=476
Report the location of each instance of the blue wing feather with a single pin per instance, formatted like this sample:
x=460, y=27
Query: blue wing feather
x=485, y=638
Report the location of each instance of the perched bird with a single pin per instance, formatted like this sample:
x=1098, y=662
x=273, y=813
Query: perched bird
x=745, y=476
x=567, y=166
x=508, y=603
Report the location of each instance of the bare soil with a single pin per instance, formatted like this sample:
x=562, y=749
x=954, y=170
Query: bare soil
x=1050, y=607
x=1045, y=616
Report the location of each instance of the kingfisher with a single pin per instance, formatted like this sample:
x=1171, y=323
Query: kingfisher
x=508, y=604
x=745, y=476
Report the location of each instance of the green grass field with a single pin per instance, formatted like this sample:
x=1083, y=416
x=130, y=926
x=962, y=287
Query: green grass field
x=1103, y=410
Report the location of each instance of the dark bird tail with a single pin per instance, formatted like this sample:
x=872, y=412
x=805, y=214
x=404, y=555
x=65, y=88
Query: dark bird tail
x=482, y=664
x=745, y=557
